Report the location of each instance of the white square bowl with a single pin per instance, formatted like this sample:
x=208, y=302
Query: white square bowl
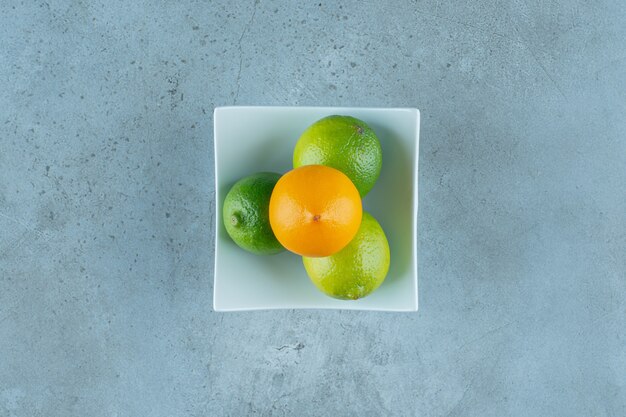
x=253, y=139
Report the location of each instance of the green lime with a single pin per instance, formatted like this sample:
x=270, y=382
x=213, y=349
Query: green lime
x=344, y=143
x=246, y=214
x=356, y=270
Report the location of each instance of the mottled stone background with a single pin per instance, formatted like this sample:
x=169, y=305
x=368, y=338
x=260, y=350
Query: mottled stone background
x=107, y=210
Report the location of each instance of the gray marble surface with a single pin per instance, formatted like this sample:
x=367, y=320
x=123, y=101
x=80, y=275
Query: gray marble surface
x=107, y=208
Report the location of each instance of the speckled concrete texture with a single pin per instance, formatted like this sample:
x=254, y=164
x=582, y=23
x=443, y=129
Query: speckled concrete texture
x=107, y=210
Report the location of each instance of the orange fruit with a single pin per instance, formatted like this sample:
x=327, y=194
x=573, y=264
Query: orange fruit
x=315, y=210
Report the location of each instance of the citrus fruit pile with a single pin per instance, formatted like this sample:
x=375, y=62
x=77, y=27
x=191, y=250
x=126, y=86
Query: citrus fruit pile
x=315, y=210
